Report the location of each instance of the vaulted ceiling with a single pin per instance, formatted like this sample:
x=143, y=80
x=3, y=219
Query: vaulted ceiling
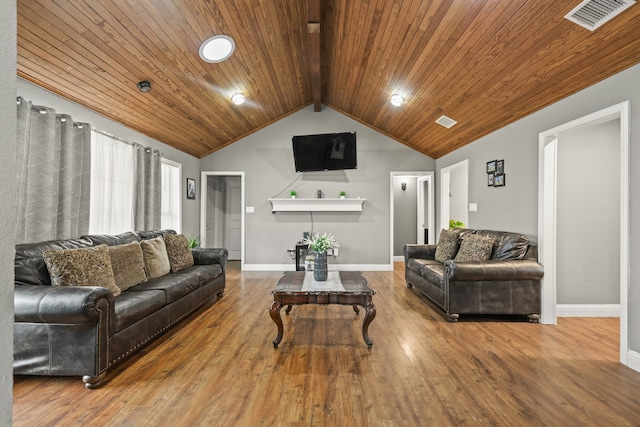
x=483, y=63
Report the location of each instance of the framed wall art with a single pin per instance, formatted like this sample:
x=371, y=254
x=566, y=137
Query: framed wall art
x=491, y=166
x=490, y=177
x=499, y=180
x=500, y=166
x=191, y=189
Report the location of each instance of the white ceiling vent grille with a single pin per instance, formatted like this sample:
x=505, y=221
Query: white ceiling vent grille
x=446, y=121
x=591, y=14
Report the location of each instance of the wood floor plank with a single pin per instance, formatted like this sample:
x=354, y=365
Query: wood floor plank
x=219, y=368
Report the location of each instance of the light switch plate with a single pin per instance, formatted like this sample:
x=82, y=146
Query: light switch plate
x=250, y=209
x=473, y=207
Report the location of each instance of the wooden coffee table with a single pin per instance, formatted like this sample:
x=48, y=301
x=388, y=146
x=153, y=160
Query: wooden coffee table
x=354, y=291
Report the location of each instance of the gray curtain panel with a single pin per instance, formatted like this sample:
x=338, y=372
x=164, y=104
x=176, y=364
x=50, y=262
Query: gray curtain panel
x=147, y=190
x=53, y=162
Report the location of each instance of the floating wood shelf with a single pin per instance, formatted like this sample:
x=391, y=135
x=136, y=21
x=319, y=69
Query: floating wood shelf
x=316, y=205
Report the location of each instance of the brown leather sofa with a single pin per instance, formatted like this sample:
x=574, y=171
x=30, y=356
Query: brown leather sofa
x=86, y=331
x=506, y=284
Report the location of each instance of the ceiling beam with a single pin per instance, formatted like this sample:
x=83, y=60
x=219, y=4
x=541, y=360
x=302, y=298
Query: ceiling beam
x=313, y=29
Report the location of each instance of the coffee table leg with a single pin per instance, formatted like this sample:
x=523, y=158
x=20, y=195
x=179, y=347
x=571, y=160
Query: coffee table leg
x=288, y=309
x=368, y=318
x=275, y=316
x=356, y=309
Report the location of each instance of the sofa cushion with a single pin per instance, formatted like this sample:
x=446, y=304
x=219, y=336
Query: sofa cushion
x=434, y=273
x=180, y=256
x=418, y=264
x=152, y=234
x=156, y=260
x=81, y=267
x=131, y=307
x=511, y=246
x=30, y=268
x=127, y=263
x=174, y=286
x=475, y=248
x=112, y=240
x=207, y=273
x=448, y=244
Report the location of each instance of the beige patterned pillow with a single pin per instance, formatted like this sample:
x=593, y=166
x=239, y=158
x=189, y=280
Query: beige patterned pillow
x=156, y=260
x=81, y=267
x=127, y=263
x=180, y=256
x=448, y=244
x=475, y=248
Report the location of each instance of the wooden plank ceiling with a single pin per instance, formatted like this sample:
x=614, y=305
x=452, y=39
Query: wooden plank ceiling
x=484, y=63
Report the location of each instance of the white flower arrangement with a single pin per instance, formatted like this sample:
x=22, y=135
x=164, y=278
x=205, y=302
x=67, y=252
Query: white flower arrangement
x=322, y=243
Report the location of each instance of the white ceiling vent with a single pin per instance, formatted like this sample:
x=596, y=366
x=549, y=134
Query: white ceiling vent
x=591, y=14
x=446, y=121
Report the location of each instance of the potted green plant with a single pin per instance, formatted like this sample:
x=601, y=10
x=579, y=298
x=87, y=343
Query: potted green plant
x=320, y=244
x=293, y=194
x=343, y=194
x=454, y=223
x=194, y=241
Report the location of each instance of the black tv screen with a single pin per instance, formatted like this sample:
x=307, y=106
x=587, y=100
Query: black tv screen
x=327, y=151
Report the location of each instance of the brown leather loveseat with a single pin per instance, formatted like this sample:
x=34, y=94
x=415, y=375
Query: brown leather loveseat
x=507, y=282
x=69, y=330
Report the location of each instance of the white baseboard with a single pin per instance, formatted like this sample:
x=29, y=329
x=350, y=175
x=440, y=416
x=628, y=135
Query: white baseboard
x=398, y=258
x=633, y=360
x=588, y=310
x=332, y=267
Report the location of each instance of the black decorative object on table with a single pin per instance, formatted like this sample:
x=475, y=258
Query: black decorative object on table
x=320, y=273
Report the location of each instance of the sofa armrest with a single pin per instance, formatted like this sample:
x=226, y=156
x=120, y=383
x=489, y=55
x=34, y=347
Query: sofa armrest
x=493, y=270
x=205, y=256
x=413, y=250
x=60, y=304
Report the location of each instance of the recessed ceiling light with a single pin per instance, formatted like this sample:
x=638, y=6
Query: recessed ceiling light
x=144, y=86
x=238, y=98
x=217, y=48
x=397, y=100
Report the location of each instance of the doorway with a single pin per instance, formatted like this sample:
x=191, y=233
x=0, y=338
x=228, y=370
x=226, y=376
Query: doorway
x=411, y=211
x=548, y=217
x=222, y=213
x=454, y=194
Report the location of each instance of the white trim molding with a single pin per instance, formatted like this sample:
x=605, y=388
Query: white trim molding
x=588, y=310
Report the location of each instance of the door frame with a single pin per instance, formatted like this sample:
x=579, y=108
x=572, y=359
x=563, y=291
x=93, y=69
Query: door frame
x=445, y=182
x=203, y=208
x=430, y=219
x=547, y=179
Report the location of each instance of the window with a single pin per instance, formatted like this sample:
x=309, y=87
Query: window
x=112, y=170
x=171, y=209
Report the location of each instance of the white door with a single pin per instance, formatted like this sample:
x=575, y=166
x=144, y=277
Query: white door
x=233, y=216
x=425, y=210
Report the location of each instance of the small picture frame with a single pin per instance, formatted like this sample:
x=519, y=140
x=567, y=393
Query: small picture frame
x=499, y=180
x=191, y=189
x=490, y=177
x=500, y=167
x=491, y=166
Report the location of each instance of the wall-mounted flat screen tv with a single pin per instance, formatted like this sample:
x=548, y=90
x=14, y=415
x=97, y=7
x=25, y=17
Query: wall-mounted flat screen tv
x=327, y=151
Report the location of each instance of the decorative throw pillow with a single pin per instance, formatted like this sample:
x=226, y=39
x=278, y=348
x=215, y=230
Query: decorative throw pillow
x=475, y=248
x=180, y=256
x=447, y=245
x=156, y=260
x=127, y=263
x=81, y=267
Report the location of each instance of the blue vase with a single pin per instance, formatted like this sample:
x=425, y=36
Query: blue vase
x=320, y=266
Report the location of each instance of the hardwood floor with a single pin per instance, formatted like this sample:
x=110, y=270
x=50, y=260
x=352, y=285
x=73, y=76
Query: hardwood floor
x=219, y=368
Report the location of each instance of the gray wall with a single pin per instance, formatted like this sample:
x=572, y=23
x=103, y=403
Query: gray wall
x=8, y=205
x=515, y=207
x=588, y=216
x=190, y=164
x=405, y=213
x=266, y=157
